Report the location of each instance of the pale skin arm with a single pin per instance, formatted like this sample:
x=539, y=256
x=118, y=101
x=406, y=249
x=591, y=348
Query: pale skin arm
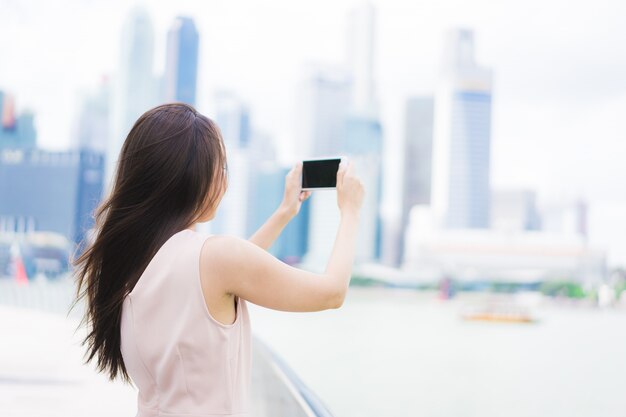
x=293, y=197
x=265, y=236
x=342, y=256
x=242, y=268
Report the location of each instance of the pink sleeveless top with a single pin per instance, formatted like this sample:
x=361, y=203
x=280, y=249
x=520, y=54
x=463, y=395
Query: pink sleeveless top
x=183, y=361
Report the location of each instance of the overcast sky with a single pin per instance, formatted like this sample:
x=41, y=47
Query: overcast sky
x=559, y=100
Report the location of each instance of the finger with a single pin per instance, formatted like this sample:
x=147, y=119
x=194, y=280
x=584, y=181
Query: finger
x=350, y=170
x=292, y=171
x=350, y=167
x=341, y=172
x=343, y=166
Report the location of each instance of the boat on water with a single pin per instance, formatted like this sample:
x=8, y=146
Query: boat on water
x=500, y=312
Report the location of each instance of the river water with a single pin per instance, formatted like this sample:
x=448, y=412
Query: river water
x=394, y=352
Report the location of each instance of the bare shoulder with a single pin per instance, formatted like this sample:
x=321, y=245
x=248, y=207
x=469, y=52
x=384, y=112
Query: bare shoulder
x=219, y=249
x=220, y=255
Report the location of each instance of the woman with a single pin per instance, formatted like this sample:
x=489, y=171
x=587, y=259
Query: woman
x=166, y=305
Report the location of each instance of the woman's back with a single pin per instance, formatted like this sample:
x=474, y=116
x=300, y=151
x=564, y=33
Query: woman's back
x=183, y=361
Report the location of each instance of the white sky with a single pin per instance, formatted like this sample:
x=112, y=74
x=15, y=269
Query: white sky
x=559, y=99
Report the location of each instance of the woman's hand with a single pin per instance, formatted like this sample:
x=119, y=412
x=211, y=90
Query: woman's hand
x=294, y=196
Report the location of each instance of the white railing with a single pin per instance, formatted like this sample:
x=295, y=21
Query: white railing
x=54, y=296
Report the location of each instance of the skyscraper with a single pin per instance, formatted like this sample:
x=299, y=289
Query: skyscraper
x=181, y=66
x=267, y=188
x=252, y=186
x=232, y=215
x=362, y=134
x=232, y=116
x=514, y=210
x=363, y=139
x=462, y=137
x=362, y=143
x=93, y=127
x=51, y=191
x=360, y=56
x=323, y=101
x=418, y=143
x=135, y=86
x=343, y=120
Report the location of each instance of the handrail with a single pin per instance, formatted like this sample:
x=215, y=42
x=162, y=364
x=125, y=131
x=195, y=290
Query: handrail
x=307, y=402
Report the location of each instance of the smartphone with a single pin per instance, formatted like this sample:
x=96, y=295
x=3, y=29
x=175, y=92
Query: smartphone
x=321, y=173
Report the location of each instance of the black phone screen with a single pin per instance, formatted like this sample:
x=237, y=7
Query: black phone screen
x=320, y=173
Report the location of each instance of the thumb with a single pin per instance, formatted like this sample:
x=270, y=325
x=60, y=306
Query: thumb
x=343, y=166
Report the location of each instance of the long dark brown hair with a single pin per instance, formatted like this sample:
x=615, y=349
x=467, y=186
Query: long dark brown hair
x=172, y=168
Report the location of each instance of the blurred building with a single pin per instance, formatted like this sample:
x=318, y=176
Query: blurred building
x=359, y=137
x=363, y=145
x=514, y=210
x=565, y=216
x=323, y=102
x=93, y=126
x=267, y=187
x=323, y=225
x=417, y=151
x=135, y=87
x=266, y=193
x=232, y=214
x=50, y=191
x=392, y=245
x=255, y=179
x=261, y=147
x=369, y=237
x=266, y=182
x=362, y=134
x=267, y=190
x=324, y=98
x=292, y=245
x=364, y=137
x=16, y=130
x=462, y=137
x=232, y=116
x=341, y=119
x=360, y=53
x=497, y=255
x=361, y=142
x=181, y=65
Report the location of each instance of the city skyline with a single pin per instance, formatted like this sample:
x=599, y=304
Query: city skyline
x=513, y=151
